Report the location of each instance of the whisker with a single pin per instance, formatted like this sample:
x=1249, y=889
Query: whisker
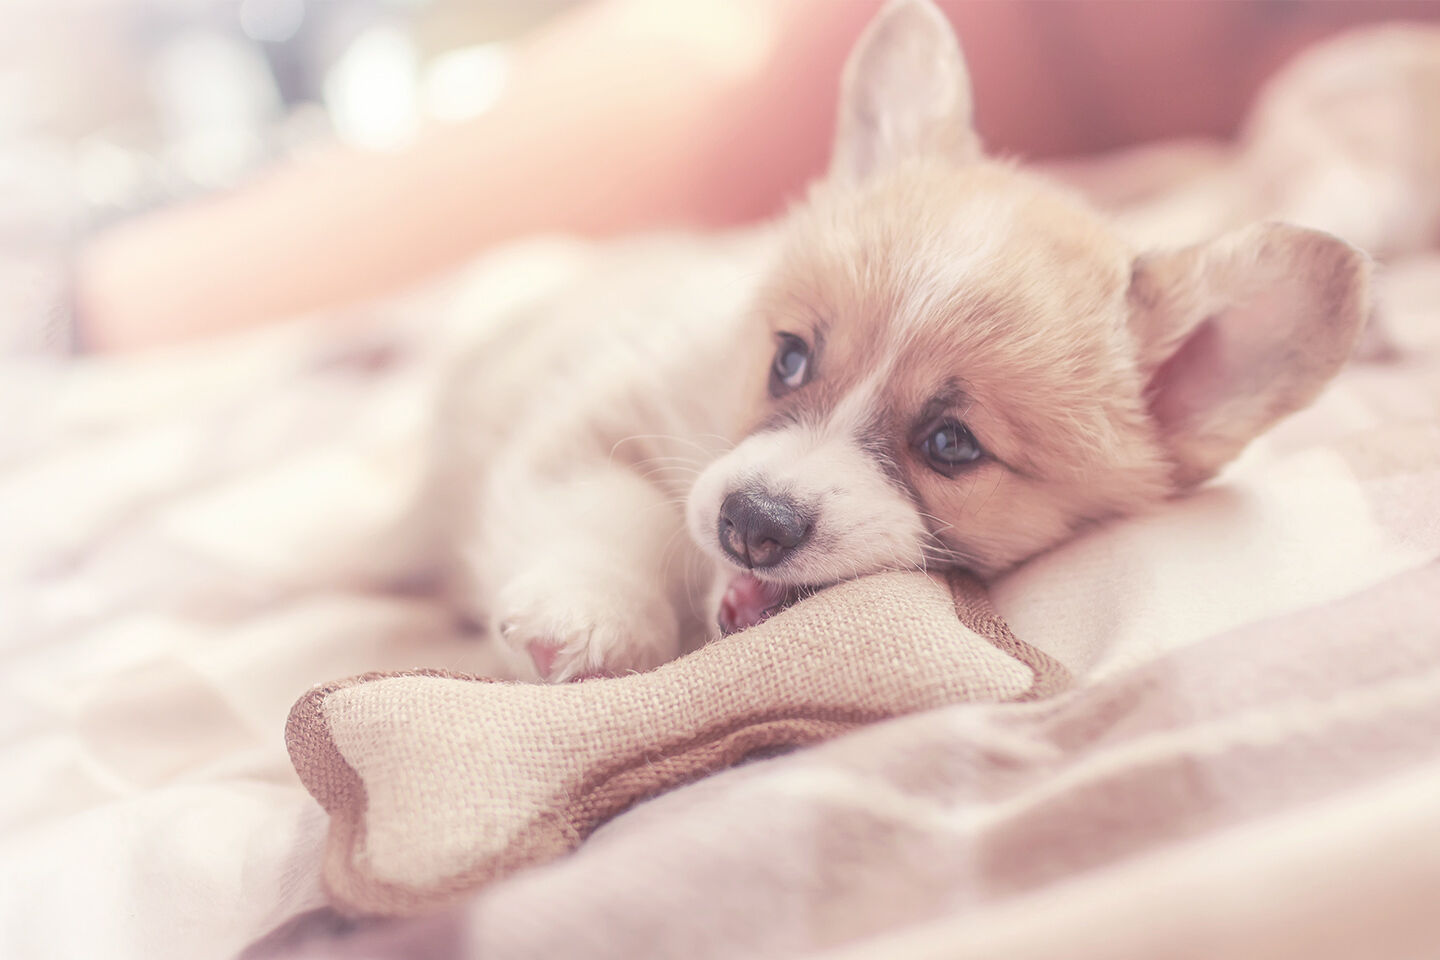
x=672, y=438
x=988, y=496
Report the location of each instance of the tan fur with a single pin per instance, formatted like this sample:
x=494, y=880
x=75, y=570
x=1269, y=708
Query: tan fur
x=928, y=283
x=1014, y=290
x=957, y=275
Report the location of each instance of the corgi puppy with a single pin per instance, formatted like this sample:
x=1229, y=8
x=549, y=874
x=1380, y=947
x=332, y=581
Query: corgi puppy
x=946, y=361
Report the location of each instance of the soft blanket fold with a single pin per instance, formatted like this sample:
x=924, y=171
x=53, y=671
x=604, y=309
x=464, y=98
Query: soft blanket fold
x=1245, y=766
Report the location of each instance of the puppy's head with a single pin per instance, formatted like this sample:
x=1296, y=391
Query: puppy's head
x=963, y=363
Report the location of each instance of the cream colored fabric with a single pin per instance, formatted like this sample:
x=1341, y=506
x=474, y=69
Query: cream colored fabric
x=1349, y=877
x=1269, y=792
x=439, y=784
x=175, y=526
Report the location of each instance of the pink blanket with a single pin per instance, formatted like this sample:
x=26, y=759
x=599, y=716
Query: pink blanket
x=1249, y=764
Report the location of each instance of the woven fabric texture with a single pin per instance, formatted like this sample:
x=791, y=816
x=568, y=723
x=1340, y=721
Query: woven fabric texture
x=438, y=783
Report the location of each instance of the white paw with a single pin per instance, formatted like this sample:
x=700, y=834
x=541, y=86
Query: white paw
x=562, y=627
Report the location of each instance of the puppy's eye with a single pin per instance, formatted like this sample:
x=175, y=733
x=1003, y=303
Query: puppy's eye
x=792, y=365
x=949, y=445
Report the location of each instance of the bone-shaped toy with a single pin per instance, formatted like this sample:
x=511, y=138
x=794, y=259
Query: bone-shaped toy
x=437, y=783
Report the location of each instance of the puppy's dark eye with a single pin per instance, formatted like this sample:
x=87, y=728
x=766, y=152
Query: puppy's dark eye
x=792, y=365
x=948, y=445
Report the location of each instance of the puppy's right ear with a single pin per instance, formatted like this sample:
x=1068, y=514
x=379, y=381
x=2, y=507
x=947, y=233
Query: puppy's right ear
x=905, y=93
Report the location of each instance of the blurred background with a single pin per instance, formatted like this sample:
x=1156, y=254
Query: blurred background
x=653, y=113
x=122, y=104
x=110, y=108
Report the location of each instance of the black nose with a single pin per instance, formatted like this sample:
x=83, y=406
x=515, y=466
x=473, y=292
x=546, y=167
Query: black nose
x=760, y=530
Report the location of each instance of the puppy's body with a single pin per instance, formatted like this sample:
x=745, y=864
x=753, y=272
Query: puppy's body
x=946, y=361
x=567, y=443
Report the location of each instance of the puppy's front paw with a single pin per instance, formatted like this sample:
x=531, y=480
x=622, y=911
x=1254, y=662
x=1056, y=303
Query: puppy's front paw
x=567, y=628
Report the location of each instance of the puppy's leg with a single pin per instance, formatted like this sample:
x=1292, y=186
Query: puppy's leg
x=581, y=573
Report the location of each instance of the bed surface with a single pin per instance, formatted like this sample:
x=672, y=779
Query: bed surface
x=1249, y=763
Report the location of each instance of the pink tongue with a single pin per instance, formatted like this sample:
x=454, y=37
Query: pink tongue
x=749, y=601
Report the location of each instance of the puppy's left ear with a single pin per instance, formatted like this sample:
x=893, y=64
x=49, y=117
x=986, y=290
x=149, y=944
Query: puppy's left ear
x=905, y=93
x=1237, y=333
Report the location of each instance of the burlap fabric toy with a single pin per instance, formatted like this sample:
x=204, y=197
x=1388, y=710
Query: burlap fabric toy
x=438, y=783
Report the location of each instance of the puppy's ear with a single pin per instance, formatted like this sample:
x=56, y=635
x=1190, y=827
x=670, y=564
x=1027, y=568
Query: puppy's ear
x=1237, y=333
x=905, y=92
